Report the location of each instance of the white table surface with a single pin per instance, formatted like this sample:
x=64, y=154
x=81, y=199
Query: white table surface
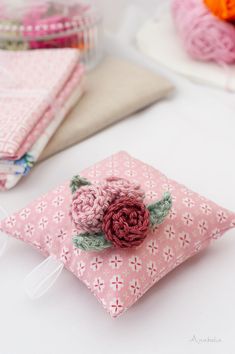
x=190, y=137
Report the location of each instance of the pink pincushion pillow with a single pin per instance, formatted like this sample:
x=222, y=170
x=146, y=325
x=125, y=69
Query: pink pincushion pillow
x=118, y=276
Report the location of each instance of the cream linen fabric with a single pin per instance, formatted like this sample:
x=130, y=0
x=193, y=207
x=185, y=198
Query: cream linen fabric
x=115, y=89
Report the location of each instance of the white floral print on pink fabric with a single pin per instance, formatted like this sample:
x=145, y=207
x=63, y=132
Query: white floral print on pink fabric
x=119, y=277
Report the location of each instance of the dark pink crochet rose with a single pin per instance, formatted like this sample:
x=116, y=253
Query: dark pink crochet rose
x=126, y=222
x=88, y=206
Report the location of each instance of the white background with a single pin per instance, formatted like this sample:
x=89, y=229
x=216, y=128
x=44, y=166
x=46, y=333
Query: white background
x=190, y=137
x=113, y=10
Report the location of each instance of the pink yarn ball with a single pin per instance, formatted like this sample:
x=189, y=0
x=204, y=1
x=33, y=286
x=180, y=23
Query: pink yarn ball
x=204, y=36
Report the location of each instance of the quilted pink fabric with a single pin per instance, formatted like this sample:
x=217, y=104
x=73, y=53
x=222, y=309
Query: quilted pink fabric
x=118, y=277
x=30, y=81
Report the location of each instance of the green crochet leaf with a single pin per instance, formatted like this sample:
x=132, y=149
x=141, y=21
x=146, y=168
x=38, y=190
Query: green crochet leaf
x=160, y=209
x=77, y=182
x=91, y=242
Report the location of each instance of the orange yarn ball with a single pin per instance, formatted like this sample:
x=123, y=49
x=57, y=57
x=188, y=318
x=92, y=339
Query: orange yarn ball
x=224, y=9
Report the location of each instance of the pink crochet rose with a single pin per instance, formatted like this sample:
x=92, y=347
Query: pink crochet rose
x=88, y=206
x=121, y=187
x=90, y=202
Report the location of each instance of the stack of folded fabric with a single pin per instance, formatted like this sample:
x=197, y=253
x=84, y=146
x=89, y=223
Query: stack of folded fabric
x=37, y=90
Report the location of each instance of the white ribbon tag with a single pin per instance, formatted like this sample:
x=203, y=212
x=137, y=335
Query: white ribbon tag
x=43, y=277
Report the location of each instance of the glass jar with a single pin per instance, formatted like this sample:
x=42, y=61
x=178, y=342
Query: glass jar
x=40, y=24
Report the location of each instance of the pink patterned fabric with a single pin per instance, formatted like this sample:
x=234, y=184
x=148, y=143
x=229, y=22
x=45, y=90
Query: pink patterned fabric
x=118, y=277
x=41, y=130
x=69, y=87
x=30, y=81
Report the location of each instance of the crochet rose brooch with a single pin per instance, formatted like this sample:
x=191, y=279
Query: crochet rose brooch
x=113, y=214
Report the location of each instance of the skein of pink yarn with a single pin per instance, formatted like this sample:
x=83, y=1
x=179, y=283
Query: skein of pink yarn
x=204, y=36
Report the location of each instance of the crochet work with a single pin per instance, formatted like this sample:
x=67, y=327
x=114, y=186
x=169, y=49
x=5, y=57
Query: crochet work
x=88, y=206
x=112, y=213
x=126, y=223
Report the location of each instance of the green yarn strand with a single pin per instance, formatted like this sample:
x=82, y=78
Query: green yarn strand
x=78, y=182
x=160, y=209
x=87, y=242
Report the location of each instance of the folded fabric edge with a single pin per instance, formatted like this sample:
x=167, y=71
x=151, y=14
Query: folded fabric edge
x=166, y=91
x=72, y=67
x=8, y=181
x=16, y=166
